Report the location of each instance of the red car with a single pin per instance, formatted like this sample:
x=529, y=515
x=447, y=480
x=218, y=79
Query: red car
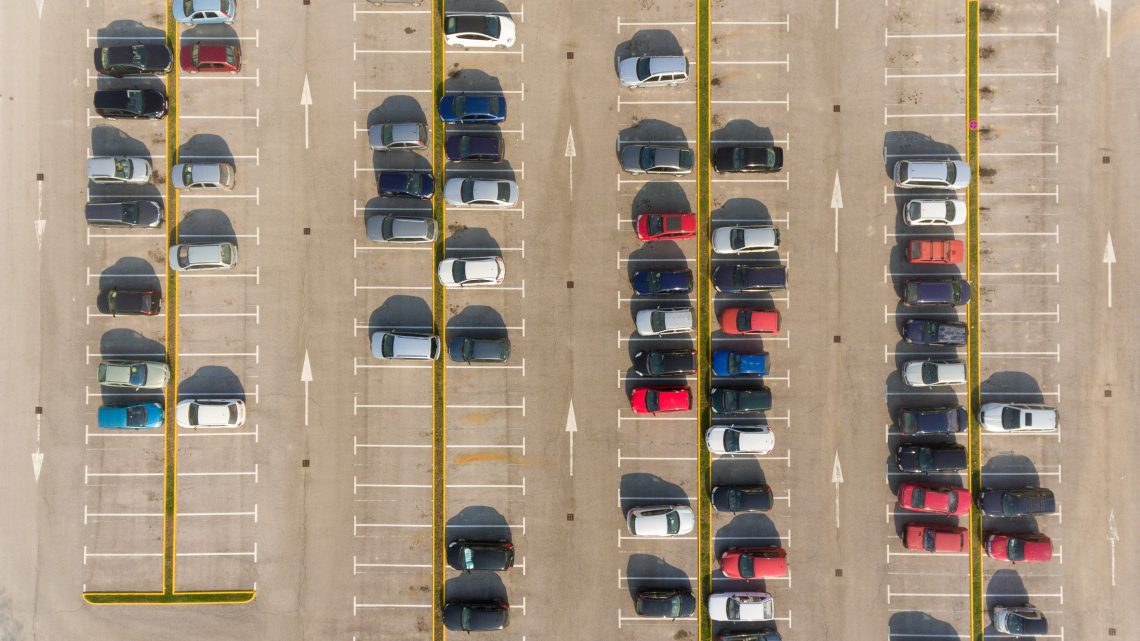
x=936, y=538
x=199, y=57
x=754, y=563
x=650, y=400
x=917, y=497
x=666, y=226
x=745, y=320
x=1030, y=548
x=935, y=252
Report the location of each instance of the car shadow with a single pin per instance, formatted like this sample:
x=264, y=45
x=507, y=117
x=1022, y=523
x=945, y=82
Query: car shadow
x=647, y=42
x=211, y=381
x=473, y=81
x=396, y=109
x=478, y=523
x=642, y=489
x=659, y=196
x=474, y=586
x=648, y=572
x=746, y=531
x=920, y=624
x=206, y=148
x=470, y=242
x=649, y=131
x=401, y=313
x=477, y=321
x=206, y=225
x=1012, y=387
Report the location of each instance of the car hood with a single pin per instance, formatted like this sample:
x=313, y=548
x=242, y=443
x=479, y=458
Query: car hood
x=627, y=71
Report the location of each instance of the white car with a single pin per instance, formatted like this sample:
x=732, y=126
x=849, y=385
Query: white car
x=740, y=439
x=205, y=11
x=934, y=212
x=197, y=257
x=199, y=412
x=742, y=239
x=664, y=320
x=1017, y=417
x=478, y=30
x=930, y=372
x=660, y=520
x=118, y=169
x=464, y=272
x=741, y=606
x=480, y=192
x=202, y=175
x=927, y=174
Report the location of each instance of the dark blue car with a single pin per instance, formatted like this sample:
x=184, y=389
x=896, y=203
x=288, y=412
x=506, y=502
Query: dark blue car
x=406, y=184
x=726, y=363
x=472, y=109
x=653, y=281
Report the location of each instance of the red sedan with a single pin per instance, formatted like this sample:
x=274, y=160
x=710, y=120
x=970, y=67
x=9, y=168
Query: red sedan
x=744, y=320
x=666, y=226
x=199, y=57
x=650, y=400
x=935, y=252
x=936, y=538
x=935, y=499
x=753, y=563
x=1029, y=548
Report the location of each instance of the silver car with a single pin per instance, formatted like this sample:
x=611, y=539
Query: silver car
x=188, y=257
x=664, y=320
x=133, y=374
x=202, y=175
x=221, y=412
x=1017, y=417
x=118, y=169
x=400, y=229
x=928, y=174
x=653, y=71
x=744, y=239
x=205, y=11
x=467, y=272
x=396, y=346
x=397, y=135
x=480, y=192
x=657, y=159
x=925, y=211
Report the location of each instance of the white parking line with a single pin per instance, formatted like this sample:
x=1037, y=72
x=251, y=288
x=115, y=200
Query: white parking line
x=1055, y=154
x=623, y=537
x=1054, y=354
x=357, y=565
x=1056, y=194
x=356, y=605
x=785, y=63
x=88, y=474
x=1055, y=74
x=357, y=90
x=356, y=11
x=1055, y=114
x=1060, y=594
x=1056, y=233
x=255, y=196
x=640, y=619
x=256, y=118
x=785, y=179
x=656, y=459
x=357, y=287
x=117, y=555
x=1056, y=35
x=256, y=38
x=252, y=553
x=521, y=53
x=787, y=102
x=256, y=77
x=356, y=51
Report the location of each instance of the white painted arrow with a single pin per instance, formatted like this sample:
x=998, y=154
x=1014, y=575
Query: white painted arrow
x=40, y=8
x=570, y=153
x=837, y=479
x=306, y=102
x=41, y=223
x=836, y=204
x=306, y=378
x=37, y=456
x=571, y=427
x=1109, y=259
x=1113, y=537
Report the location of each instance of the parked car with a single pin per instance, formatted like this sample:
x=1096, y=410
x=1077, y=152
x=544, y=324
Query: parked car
x=657, y=159
x=470, y=108
x=928, y=174
x=1022, y=502
x=933, y=420
x=653, y=71
x=476, y=616
x=133, y=374
x=197, y=57
x=671, y=362
x=736, y=279
x=468, y=556
x=649, y=282
x=192, y=257
x=1019, y=548
x=400, y=229
x=747, y=320
x=132, y=416
x=935, y=291
x=197, y=12
x=660, y=520
x=664, y=603
x=480, y=192
x=406, y=184
x=748, y=635
x=478, y=30
x=118, y=169
x=935, y=499
x=947, y=539
x=650, y=400
x=930, y=372
x=741, y=606
x=1017, y=417
x=464, y=148
x=741, y=498
x=203, y=175
x=133, y=60
x=468, y=272
x=728, y=363
x=935, y=252
x=740, y=402
x=662, y=226
x=753, y=563
x=664, y=320
x=131, y=213
x=740, y=439
x=751, y=159
x=465, y=349
x=1021, y=620
x=925, y=211
x=211, y=412
x=745, y=239
x=398, y=346
x=391, y=136
x=929, y=331
x=919, y=458
x=130, y=103
x=143, y=302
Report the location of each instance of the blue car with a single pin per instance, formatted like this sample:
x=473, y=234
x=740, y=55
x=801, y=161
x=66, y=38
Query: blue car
x=139, y=416
x=407, y=184
x=472, y=109
x=654, y=281
x=726, y=363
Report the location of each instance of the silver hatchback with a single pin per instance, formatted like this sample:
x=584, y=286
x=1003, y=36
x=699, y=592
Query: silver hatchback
x=400, y=229
x=397, y=135
x=394, y=346
x=653, y=71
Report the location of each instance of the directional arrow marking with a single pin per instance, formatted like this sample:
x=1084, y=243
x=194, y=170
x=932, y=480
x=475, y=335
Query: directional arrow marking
x=40, y=8
x=38, y=464
x=306, y=378
x=306, y=102
x=40, y=222
x=570, y=153
x=837, y=479
x=1109, y=259
x=1113, y=537
x=571, y=427
x=836, y=204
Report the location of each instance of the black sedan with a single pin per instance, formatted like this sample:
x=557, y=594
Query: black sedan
x=933, y=420
x=741, y=498
x=665, y=362
x=465, y=349
x=133, y=60
x=496, y=556
x=734, y=279
x=655, y=281
x=406, y=184
x=738, y=402
x=477, y=616
x=753, y=159
x=144, y=302
x=665, y=603
x=931, y=458
x=130, y=103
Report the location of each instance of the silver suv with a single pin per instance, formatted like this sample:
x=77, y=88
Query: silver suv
x=393, y=346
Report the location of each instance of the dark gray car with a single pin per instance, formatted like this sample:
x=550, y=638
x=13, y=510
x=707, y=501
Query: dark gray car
x=741, y=498
x=656, y=159
x=464, y=349
x=400, y=229
x=496, y=556
x=930, y=458
x=478, y=616
x=1023, y=502
x=131, y=213
x=734, y=279
x=664, y=603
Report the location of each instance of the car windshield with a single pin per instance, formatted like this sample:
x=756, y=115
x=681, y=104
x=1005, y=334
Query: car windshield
x=732, y=609
x=731, y=440
x=729, y=399
x=952, y=501
x=459, y=271
x=467, y=191
x=1010, y=418
x=226, y=254
x=468, y=349
x=746, y=566
x=138, y=374
x=929, y=373
x=134, y=100
x=415, y=180
x=675, y=606
x=1009, y=503
x=673, y=522
x=652, y=401
x=468, y=558
x=386, y=344
x=949, y=210
x=648, y=157
x=188, y=173
x=656, y=225
x=131, y=213
x=187, y=7
x=736, y=239
x=491, y=26
x=386, y=228
x=735, y=500
x=918, y=497
x=656, y=362
x=465, y=619
x=1015, y=623
x=136, y=415
x=504, y=192
x=122, y=168
x=642, y=68
x=951, y=172
x=1015, y=548
x=925, y=459
x=928, y=539
x=231, y=56
x=657, y=321
x=734, y=363
x=653, y=280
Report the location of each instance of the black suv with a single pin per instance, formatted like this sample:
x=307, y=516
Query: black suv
x=130, y=103
x=665, y=362
x=1022, y=502
x=133, y=60
x=930, y=458
x=474, y=148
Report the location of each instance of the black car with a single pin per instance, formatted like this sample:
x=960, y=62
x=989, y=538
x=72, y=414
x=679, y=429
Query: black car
x=496, y=556
x=1023, y=502
x=930, y=331
x=132, y=213
x=134, y=302
x=461, y=148
x=935, y=291
x=931, y=458
x=665, y=362
x=740, y=401
x=753, y=635
x=734, y=279
x=464, y=349
x=406, y=184
x=133, y=60
x=130, y=103
x=933, y=420
x=741, y=498
x=655, y=281
x=477, y=616
x=764, y=159
x=665, y=603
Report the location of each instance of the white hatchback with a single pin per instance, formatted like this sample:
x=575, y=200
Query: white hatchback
x=934, y=212
x=660, y=520
x=221, y=412
x=741, y=606
x=664, y=320
x=466, y=272
x=1017, y=417
x=930, y=372
x=740, y=439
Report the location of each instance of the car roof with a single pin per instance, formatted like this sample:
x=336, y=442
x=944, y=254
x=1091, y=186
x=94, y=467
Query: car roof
x=206, y=172
x=213, y=413
x=203, y=254
x=667, y=64
x=926, y=169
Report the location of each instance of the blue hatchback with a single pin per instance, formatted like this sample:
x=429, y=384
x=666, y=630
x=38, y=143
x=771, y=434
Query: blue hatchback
x=138, y=416
x=472, y=109
x=652, y=281
x=726, y=363
x=406, y=184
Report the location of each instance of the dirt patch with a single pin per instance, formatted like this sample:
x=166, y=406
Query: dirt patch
x=986, y=52
x=987, y=172
x=986, y=93
x=989, y=12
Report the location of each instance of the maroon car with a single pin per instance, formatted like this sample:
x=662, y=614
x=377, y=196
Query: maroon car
x=210, y=58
